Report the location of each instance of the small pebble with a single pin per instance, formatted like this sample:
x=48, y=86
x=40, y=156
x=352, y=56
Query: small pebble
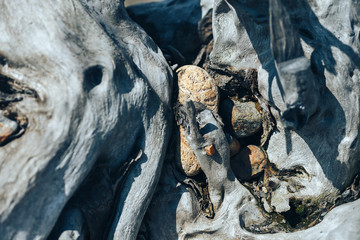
x=249, y=162
x=210, y=150
x=243, y=118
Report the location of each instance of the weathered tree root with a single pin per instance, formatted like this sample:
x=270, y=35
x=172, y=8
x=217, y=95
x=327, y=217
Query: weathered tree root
x=234, y=205
x=225, y=190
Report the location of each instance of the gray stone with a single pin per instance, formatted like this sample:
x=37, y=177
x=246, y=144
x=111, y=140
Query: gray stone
x=242, y=118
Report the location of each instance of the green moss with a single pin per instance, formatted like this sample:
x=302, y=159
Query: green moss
x=300, y=209
x=304, y=213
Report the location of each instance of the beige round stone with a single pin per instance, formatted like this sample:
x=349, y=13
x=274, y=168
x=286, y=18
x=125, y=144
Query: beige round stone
x=186, y=159
x=197, y=85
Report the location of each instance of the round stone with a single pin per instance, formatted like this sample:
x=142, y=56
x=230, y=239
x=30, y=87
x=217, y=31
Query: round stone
x=249, y=162
x=197, y=85
x=243, y=118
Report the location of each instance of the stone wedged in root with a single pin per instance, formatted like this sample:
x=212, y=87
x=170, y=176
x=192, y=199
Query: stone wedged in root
x=197, y=85
x=187, y=162
x=242, y=118
x=249, y=162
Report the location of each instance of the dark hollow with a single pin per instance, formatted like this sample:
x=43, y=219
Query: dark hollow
x=92, y=77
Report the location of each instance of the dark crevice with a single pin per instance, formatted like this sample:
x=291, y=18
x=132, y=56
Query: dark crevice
x=306, y=33
x=92, y=77
x=12, y=91
x=297, y=170
x=13, y=124
x=2, y=60
x=292, y=216
x=5, y=86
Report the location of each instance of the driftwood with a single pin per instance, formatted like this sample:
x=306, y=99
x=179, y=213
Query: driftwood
x=94, y=90
x=307, y=60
